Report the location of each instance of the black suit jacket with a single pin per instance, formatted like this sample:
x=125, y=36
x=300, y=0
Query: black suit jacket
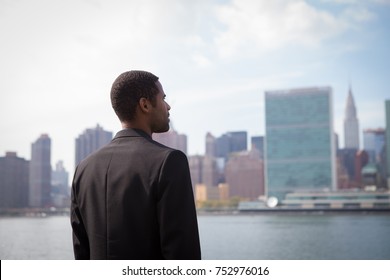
x=133, y=199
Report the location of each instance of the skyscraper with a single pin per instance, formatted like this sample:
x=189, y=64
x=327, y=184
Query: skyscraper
x=91, y=140
x=60, y=186
x=210, y=172
x=40, y=172
x=238, y=141
x=347, y=159
x=60, y=175
x=374, y=144
x=14, y=174
x=257, y=142
x=387, y=145
x=222, y=146
x=196, y=169
x=245, y=175
x=351, y=124
x=205, y=171
x=299, y=146
x=211, y=145
x=231, y=142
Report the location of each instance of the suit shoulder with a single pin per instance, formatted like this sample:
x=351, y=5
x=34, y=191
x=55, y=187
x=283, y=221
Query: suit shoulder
x=163, y=148
x=174, y=157
x=96, y=156
x=177, y=154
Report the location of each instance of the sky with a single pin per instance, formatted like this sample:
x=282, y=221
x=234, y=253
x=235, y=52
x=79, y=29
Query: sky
x=215, y=59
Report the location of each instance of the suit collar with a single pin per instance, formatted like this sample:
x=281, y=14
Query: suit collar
x=132, y=132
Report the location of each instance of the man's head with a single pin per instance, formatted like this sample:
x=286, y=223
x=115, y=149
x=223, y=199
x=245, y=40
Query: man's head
x=137, y=97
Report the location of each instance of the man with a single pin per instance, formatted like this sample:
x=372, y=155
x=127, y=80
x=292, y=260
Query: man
x=133, y=198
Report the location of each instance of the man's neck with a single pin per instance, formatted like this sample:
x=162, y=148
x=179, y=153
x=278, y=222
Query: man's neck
x=133, y=125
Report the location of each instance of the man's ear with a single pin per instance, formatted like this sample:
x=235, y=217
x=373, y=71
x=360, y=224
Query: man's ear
x=144, y=105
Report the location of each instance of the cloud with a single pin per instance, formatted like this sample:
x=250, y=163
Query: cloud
x=347, y=2
x=384, y=2
x=261, y=26
x=341, y=1
x=200, y=60
x=358, y=14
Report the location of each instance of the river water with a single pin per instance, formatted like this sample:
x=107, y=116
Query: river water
x=281, y=236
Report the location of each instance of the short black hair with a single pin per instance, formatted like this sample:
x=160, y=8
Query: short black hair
x=128, y=89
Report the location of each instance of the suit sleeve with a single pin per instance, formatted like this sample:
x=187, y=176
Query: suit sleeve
x=79, y=233
x=179, y=234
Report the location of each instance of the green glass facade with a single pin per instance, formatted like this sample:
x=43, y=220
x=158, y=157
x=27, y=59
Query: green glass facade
x=299, y=141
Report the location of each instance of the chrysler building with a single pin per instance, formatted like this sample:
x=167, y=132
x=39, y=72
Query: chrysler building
x=351, y=123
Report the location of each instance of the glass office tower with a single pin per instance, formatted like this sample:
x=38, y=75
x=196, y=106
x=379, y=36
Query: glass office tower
x=40, y=172
x=299, y=146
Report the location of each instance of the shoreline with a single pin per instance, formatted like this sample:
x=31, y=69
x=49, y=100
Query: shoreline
x=385, y=211
x=42, y=213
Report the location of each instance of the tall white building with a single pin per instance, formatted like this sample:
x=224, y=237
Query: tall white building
x=351, y=123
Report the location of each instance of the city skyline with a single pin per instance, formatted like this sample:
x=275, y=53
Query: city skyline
x=299, y=155
x=215, y=61
x=161, y=138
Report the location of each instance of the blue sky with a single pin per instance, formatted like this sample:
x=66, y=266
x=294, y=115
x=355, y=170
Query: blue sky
x=215, y=59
